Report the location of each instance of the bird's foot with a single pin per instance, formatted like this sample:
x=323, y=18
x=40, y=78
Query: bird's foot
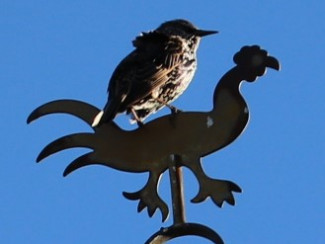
x=140, y=124
x=136, y=118
x=148, y=197
x=172, y=108
x=218, y=190
x=175, y=110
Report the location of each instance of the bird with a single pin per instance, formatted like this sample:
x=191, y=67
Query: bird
x=155, y=73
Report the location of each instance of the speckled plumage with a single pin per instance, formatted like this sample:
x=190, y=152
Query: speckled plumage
x=156, y=73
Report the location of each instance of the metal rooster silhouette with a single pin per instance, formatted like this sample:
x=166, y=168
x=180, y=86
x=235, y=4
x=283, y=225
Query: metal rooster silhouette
x=152, y=148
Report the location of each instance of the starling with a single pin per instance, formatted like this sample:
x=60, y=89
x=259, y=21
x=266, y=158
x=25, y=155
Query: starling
x=155, y=73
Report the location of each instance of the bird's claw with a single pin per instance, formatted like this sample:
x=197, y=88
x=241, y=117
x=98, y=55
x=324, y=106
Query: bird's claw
x=172, y=108
x=175, y=110
x=218, y=190
x=149, y=198
x=140, y=123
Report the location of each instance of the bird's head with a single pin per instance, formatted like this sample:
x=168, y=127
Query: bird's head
x=182, y=28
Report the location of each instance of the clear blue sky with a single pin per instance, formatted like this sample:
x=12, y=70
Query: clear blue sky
x=68, y=49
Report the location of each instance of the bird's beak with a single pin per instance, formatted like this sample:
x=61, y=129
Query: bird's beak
x=202, y=33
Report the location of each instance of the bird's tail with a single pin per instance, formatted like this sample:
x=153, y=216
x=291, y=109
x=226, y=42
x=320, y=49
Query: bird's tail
x=106, y=115
x=97, y=119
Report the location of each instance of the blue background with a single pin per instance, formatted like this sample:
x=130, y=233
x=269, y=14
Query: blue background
x=68, y=49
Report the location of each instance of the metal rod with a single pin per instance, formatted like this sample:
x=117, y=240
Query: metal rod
x=177, y=189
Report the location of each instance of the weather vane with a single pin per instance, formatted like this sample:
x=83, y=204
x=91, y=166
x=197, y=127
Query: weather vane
x=167, y=143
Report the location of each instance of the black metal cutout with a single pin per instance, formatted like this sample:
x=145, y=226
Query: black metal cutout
x=185, y=229
x=169, y=142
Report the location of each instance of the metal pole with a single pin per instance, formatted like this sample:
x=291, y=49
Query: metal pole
x=177, y=189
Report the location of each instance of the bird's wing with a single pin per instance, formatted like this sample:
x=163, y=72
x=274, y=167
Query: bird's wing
x=146, y=68
x=158, y=57
x=164, y=50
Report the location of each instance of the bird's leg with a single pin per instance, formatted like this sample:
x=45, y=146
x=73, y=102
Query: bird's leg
x=218, y=190
x=139, y=122
x=172, y=108
x=148, y=196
